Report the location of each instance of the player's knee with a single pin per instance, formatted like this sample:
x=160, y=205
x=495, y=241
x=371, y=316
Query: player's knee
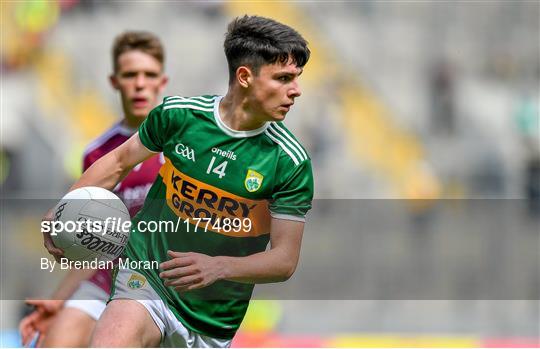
x=106, y=334
x=125, y=323
x=101, y=339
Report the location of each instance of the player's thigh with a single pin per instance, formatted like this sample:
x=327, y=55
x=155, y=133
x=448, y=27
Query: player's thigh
x=125, y=323
x=71, y=328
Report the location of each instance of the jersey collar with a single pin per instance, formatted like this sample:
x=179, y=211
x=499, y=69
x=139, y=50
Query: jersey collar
x=125, y=130
x=231, y=132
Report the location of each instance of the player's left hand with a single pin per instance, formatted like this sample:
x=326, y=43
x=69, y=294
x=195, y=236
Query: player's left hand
x=187, y=271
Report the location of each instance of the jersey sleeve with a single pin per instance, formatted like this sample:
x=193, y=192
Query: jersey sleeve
x=87, y=162
x=153, y=130
x=89, y=159
x=292, y=198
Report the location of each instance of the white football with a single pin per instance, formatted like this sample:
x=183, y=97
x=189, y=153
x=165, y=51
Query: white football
x=90, y=223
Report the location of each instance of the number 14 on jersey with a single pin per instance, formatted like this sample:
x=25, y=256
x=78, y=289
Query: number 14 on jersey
x=219, y=169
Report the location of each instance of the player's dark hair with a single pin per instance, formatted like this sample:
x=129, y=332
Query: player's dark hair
x=254, y=41
x=137, y=40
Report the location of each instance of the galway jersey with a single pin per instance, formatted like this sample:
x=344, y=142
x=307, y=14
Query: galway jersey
x=233, y=180
x=132, y=189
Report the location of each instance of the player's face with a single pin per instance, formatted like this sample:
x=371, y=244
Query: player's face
x=274, y=90
x=140, y=81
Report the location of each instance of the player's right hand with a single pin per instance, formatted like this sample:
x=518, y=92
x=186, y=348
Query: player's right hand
x=28, y=327
x=37, y=322
x=56, y=252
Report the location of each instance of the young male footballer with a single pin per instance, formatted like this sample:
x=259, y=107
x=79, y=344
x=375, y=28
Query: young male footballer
x=234, y=179
x=138, y=59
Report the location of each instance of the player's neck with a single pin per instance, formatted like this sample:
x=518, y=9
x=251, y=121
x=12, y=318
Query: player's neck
x=132, y=122
x=235, y=114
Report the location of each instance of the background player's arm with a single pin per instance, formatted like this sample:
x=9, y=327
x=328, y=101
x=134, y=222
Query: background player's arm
x=67, y=287
x=45, y=310
x=188, y=271
x=106, y=172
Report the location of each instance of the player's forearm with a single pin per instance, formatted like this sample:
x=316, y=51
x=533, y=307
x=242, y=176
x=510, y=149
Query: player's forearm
x=71, y=282
x=274, y=265
x=264, y=267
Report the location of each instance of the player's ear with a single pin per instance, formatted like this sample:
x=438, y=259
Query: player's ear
x=114, y=82
x=163, y=84
x=244, y=76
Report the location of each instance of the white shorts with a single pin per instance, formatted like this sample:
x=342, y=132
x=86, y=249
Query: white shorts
x=132, y=285
x=88, y=298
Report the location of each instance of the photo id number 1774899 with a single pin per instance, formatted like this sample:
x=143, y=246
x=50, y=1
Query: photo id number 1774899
x=225, y=225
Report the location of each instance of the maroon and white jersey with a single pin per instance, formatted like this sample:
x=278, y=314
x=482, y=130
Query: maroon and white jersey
x=132, y=189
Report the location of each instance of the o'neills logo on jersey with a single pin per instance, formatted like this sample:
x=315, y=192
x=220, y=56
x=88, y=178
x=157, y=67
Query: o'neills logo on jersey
x=229, y=154
x=190, y=198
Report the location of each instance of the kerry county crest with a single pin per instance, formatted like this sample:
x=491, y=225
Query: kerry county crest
x=136, y=281
x=253, y=181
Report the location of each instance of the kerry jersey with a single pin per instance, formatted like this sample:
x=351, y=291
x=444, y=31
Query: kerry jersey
x=226, y=184
x=132, y=189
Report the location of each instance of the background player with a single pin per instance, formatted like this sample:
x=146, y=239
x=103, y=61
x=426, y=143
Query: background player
x=138, y=59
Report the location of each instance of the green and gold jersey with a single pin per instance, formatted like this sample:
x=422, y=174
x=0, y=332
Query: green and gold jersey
x=227, y=185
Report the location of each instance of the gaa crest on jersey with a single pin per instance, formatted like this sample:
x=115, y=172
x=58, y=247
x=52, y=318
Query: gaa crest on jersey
x=136, y=281
x=253, y=181
x=185, y=151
